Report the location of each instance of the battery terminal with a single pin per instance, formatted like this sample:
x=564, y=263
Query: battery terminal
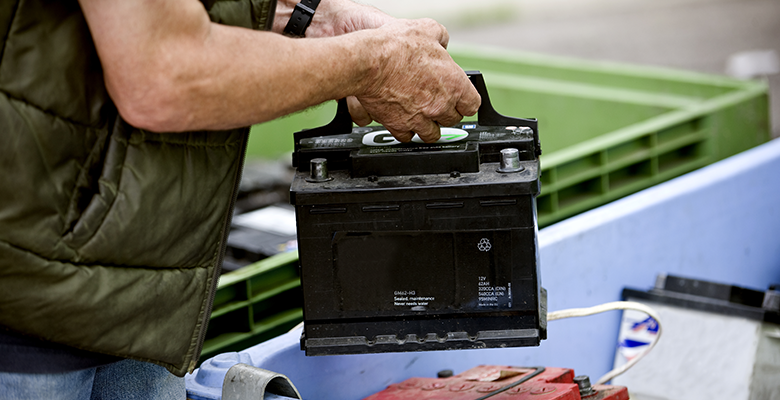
x=510, y=161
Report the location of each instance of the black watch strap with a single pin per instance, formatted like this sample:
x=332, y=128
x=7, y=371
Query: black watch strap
x=301, y=18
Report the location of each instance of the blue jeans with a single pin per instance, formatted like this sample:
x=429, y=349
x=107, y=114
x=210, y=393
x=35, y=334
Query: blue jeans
x=126, y=380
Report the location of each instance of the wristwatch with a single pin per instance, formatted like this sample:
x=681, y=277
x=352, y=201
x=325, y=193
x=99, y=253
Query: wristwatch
x=301, y=18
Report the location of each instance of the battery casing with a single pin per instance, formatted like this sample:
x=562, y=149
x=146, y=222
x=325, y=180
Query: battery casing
x=413, y=246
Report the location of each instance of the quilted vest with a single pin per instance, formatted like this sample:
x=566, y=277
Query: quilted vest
x=111, y=237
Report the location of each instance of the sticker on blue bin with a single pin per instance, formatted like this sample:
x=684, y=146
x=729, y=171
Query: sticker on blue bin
x=637, y=331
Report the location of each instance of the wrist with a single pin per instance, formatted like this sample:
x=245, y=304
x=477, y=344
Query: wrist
x=333, y=17
x=285, y=9
x=301, y=18
x=374, y=49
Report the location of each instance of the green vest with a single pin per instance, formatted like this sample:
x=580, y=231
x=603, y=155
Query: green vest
x=111, y=237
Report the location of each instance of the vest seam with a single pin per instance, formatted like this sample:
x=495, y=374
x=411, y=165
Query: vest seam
x=83, y=172
x=35, y=254
x=112, y=136
x=39, y=108
x=8, y=32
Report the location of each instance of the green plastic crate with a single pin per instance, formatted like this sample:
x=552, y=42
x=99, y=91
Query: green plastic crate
x=607, y=130
x=253, y=304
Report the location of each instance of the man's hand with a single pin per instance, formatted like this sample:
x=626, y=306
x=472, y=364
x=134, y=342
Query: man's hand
x=401, y=104
x=417, y=86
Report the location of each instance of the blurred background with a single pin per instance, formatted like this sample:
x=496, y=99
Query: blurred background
x=727, y=37
x=655, y=170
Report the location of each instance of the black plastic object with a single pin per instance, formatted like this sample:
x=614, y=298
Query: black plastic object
x=711, y=297
x=414, y=246
x=252, y=245
x=301, y=18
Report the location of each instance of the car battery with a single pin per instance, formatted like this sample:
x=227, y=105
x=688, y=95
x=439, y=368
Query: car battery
x=416, y=246
x=503, y=383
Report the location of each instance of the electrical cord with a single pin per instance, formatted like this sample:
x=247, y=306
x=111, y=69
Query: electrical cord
x=300, y=325
x=616, y=305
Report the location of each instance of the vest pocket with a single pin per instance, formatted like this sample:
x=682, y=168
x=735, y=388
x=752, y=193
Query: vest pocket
x=163, y=199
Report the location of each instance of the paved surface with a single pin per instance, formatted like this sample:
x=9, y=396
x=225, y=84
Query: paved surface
x=697, y=35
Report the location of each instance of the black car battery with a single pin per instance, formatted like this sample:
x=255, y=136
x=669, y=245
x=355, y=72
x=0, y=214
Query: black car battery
x=416, y=246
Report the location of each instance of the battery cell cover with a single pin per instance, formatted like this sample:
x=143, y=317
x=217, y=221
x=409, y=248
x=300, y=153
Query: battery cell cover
x=415, y=246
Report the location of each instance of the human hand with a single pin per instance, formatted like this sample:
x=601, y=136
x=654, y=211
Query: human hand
x=359, y=114
x=417, y=86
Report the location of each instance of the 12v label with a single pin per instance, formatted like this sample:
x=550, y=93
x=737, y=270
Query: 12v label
x=493, y=295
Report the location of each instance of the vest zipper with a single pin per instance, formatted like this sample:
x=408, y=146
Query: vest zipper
x=217, y=269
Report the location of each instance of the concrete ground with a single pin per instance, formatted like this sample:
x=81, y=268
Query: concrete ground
x=698, y=35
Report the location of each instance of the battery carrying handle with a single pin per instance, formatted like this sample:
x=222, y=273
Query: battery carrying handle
x=486, y=116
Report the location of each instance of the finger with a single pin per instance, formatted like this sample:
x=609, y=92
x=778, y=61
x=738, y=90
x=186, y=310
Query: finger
x=427, y=130
x=359, y=114
x=440, y=32
x=444, y=39
x=448, y=118
x=469, y=102
x=401, y=136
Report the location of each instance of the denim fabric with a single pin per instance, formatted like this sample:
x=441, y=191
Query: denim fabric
x=126, y=379
x=23, y=354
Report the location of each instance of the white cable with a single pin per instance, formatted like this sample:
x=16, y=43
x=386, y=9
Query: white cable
x=616, y=305
x=583, y=312
x=300, y=325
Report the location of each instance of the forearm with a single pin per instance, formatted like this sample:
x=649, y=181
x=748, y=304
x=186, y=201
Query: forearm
x=169, y=68
x=275, y=76
x=200, y=75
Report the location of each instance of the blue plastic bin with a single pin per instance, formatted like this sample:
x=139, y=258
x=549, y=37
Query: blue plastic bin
x=720, y=223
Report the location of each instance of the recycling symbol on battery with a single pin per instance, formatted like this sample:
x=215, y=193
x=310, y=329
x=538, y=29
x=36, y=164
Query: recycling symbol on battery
x=484, y=245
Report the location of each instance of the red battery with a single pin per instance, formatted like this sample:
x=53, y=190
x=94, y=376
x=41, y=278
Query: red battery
x=501, y=383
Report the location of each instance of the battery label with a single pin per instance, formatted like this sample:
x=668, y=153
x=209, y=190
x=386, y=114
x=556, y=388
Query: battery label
x=383, y=271
x=493, y=295
x=385, y=138
x=410, y=299
x=334, y=141
x=397, y=150
x=377, y=136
